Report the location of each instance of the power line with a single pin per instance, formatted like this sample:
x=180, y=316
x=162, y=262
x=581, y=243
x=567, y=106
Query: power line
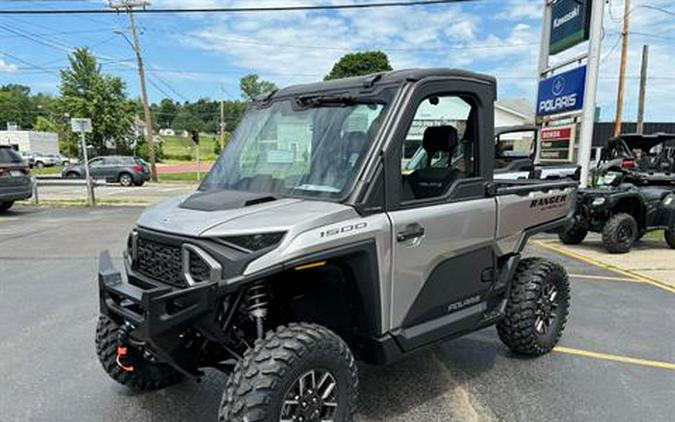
x=254, y=9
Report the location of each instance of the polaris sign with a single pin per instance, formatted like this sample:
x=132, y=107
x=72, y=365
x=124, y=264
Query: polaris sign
x=570, y=22
x=562, y=93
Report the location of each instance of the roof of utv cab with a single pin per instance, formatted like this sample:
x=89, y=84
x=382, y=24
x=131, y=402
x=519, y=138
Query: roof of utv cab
x=367, y=82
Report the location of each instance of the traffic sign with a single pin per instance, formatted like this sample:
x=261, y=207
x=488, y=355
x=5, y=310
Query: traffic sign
x=80, y=125
x=570, y=23
x=562, y=93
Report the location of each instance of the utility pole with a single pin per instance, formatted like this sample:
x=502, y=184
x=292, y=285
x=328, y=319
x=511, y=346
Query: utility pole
x=222, y=124
x=128, y=6
x=622, y=69
x=643, y=86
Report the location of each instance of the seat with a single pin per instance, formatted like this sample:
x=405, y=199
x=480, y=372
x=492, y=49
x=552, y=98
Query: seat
x=432, y=181
x=353, y=145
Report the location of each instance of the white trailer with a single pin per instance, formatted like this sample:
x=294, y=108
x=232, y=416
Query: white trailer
x=31, y=141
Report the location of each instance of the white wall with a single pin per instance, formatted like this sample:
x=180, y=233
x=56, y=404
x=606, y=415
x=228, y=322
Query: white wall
x=504, y=118
x=44, y=142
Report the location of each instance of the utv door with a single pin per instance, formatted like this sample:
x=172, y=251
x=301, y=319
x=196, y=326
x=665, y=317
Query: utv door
x=443, y=221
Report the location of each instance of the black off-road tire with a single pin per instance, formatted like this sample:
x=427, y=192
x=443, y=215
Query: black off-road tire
x=4, y=206
x=518, y=329
x=614, y=238
x=147, y=376
x=669, y=235
x=574, y=235
x=257, y=388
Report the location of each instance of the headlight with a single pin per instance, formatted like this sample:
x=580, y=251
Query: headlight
x=254, y=242
x=668, y=200
x=598, y=201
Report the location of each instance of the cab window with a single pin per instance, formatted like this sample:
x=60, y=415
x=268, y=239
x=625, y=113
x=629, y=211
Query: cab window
x=444, y=130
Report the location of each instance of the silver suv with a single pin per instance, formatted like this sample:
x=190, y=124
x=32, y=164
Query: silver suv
x=309, y=247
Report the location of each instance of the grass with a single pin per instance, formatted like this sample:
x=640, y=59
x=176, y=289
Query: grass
x=177, y=148
x=187, y=177
x=655, y=235
x=54, y=170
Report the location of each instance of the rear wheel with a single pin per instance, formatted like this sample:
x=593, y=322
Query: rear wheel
x=4, y=206
x=670, y=237
x=299, y=372
x=620, y=233
x=537, y=308
x=574, y=235
x=126, y=180
x=145, y=376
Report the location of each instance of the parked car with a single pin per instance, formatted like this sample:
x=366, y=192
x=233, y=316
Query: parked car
x=15, y=181
x=28, y=157
x=126, y=170
x=43, y=160
x=60, y=159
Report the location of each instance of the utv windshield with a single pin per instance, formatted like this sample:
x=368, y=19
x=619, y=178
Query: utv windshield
x=298, y=148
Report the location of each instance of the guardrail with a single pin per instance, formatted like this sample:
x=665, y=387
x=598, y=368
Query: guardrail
x=61, y=181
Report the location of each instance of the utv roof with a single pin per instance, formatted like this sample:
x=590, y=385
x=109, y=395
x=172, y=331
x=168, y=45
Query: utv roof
x=382, y=78
x=643, y=142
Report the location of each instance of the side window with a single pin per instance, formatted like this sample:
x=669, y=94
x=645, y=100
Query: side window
x=443, y=134
x=513, y=146
x=96, y=162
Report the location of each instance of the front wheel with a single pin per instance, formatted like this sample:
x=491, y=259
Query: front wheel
x=670, y=237
x=574, y=235
x=145, y=375
x=620, y=233
x=299, y=372
x=4, y=206
x=537, y=308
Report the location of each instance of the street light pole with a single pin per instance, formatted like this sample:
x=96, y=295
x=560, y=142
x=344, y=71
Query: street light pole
x=136, y=45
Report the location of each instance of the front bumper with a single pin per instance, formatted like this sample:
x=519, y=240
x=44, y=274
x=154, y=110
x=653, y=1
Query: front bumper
x=153, y=310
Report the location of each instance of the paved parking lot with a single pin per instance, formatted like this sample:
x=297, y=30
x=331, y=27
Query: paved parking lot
x=147, y=194
x=616, y=363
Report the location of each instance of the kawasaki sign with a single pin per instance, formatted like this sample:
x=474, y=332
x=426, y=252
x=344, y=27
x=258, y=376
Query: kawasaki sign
x=562, y=93
x=570, y=22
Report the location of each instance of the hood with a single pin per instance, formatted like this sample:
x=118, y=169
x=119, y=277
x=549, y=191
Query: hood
x=172, y=216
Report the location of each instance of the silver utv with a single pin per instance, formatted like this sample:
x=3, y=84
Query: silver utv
x=309, y=245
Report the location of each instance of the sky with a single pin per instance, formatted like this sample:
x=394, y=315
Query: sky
x=191, y=56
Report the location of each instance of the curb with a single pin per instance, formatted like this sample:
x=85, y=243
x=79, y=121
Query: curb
x=628, y=273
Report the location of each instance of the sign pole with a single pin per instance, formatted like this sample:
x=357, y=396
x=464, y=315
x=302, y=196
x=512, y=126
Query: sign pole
x=588, y=114
x=91, y=201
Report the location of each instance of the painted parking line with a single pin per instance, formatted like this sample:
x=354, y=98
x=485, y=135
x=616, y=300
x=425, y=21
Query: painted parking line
x=605, y=278
x=637, y=277
x=615, y=358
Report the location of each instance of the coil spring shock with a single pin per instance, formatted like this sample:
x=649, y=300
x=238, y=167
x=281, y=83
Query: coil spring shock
x=257, y=302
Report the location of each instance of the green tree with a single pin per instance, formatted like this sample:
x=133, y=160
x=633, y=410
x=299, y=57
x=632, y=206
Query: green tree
x=165, y=112
x=87, y=92
x=186, y=120
x=252, y=86
x=16, y=106
x=359, y=64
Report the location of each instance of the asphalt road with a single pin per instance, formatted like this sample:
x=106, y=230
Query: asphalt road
x=48, y=310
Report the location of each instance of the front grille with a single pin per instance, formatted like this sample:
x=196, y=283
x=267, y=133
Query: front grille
x=199, y=270
x=160, y=262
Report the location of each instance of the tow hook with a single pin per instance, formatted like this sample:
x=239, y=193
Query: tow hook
x=123, y=357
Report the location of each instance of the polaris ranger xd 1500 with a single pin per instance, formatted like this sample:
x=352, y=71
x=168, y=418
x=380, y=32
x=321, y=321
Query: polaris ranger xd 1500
x=306, y=247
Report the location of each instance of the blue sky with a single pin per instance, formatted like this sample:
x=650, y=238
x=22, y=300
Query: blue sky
x=193, y=56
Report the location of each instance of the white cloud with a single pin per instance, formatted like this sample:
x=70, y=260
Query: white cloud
x=6, y=67
x=519, y=10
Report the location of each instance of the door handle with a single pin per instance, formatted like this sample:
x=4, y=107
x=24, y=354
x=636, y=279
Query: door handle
x=410, y=232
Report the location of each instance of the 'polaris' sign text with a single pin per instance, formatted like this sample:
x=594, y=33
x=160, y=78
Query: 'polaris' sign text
x=570, y=22
x=562, y=93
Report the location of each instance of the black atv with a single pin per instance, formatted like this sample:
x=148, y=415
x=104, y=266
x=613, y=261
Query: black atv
x=623, y=208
